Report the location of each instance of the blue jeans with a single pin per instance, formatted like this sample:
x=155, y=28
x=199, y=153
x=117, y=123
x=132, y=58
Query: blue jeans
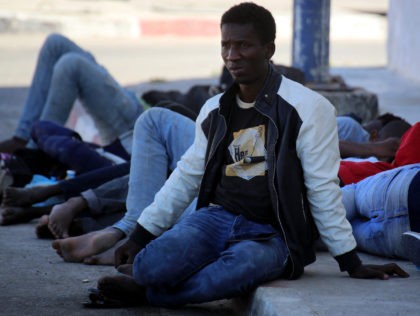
x=377, y=208
x=350, y=130
x=66, y=146
x=92, y=179
x=161, y=136
x=211, y=254
x=65, y=72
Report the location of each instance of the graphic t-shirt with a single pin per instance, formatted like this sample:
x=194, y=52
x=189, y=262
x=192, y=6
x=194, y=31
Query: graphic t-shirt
x=243, y=185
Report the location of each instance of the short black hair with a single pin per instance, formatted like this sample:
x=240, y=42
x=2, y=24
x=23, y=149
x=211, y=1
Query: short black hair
x=395, y=128
x=250, y=13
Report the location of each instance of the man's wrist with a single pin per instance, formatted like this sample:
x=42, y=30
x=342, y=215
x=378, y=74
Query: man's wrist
x=141, y=236
x=349, y=261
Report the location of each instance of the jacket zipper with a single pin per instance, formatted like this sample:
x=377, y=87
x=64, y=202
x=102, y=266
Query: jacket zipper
x=274, y=189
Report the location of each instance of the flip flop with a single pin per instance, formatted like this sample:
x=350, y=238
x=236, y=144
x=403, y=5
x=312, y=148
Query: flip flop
x=99, y=301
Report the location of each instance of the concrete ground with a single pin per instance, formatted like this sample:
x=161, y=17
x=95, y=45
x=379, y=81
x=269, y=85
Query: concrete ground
x=35, y=281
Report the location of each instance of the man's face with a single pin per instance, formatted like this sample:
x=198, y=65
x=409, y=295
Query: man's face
x=244, y=55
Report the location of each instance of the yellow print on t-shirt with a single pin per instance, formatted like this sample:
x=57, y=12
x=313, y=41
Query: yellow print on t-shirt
x=247, y=142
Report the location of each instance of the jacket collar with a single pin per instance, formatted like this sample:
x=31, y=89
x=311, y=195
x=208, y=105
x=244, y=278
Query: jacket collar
x=265, y=99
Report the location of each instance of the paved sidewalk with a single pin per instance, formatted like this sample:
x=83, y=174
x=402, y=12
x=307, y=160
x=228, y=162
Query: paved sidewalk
x=35, y=281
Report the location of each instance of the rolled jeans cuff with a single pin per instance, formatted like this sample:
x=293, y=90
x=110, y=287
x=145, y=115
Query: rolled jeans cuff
x=92, y=201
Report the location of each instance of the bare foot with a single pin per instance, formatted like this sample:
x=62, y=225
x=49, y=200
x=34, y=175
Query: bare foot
x=11, y=144
x=27, y=196
x=14, y=215
x=122, y=287
x=41, y=229
x=106, y=258
x=76, y=249
x=63, y=214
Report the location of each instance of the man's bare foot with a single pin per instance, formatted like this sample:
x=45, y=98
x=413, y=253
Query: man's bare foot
x=123, y=288
x=41, y=229
x=27, y=196
x=15, y=215
x=63, y=214
x=106, y=258
x=11, y=144
x=76, y=249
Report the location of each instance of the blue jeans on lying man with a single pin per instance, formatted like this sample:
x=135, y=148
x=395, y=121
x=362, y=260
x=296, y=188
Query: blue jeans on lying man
x=378, y=209
x=65, y=72
x=210, y=254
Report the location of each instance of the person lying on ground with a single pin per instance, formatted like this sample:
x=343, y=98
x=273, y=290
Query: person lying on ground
x=384, y=211
x=382, y=143
x=65, y=72
x=265, y=173
x=17, y=203
x=407, y=153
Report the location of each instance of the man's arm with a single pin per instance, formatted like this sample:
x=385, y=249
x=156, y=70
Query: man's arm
x=385, y=149
x=318, y=150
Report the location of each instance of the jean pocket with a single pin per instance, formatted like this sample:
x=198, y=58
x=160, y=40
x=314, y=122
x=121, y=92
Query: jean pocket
x=244, y=229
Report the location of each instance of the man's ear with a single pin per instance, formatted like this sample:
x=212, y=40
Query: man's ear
x=270, y=49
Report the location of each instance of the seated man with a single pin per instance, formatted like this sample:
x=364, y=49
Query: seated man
x=65, y=72
x=383, y=209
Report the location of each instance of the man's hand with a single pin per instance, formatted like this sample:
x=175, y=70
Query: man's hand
x=126, y=253
x=373, y=271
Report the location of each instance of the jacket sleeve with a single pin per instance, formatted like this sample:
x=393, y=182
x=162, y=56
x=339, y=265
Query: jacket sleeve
x=317, y=147
x=181, y=187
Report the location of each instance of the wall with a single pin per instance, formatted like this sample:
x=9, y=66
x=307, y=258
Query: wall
x=404, y=38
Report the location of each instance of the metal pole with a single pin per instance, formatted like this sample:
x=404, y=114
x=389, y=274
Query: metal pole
x=311, y=32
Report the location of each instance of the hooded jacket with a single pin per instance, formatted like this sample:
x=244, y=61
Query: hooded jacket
x=303, y=161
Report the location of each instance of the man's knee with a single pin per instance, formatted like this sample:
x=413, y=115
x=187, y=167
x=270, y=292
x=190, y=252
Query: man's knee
x=151, y=120
x=55, y=39
x=70, y=63
x=147, y=271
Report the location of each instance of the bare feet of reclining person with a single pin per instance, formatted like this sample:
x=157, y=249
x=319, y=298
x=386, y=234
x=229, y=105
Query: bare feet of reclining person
x=61, y=219
x=42, y=230
x=62, y=215
x=15, y=215
x=77, y=249
x=27, y=196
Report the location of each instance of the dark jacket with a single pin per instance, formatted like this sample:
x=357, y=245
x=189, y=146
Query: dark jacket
x=303, y=182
